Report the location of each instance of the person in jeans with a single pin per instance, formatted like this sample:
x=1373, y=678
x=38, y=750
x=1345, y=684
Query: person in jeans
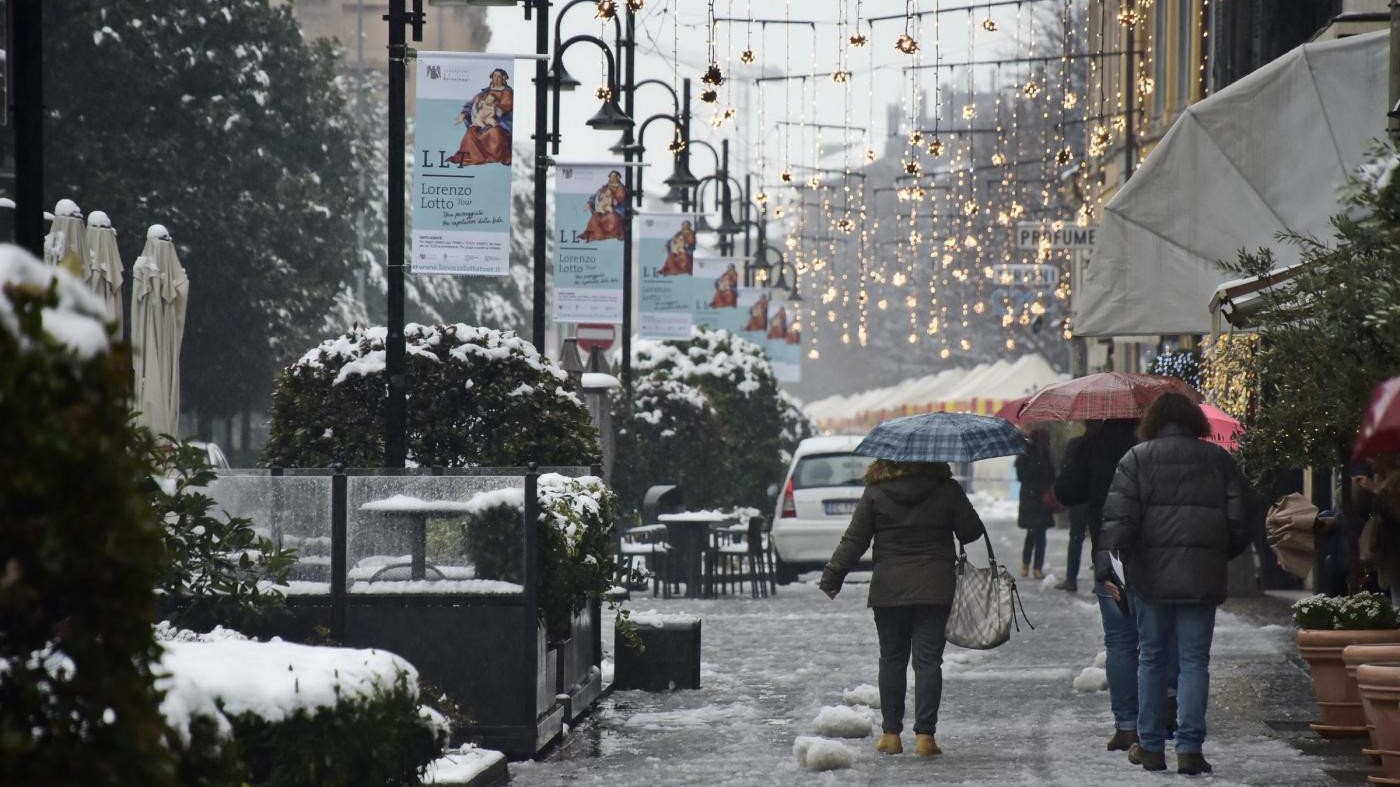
x=912, y=511
x=1084, y=480
x=1175, y=514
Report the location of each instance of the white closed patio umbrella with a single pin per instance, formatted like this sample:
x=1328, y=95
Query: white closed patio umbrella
x=66, y=244
x=104, y=265
x=159, y=294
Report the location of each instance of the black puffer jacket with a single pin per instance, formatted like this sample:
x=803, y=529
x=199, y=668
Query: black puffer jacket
x=912, y=519
x=1176, y=512
x=1090, y=462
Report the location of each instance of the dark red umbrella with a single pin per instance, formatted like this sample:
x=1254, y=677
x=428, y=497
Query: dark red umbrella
x=1380, y=425
x=1101, y=396
x=1011, y=410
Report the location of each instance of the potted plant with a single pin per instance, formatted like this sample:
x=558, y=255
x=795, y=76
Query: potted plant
x=1326, y=626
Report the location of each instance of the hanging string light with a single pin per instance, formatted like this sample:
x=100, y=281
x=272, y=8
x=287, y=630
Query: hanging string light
x=748, y=56
x=906, y=42
x=713, y=76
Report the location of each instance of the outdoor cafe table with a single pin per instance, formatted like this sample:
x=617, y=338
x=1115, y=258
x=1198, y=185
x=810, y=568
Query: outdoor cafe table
x=415, y=512
x=688, y=533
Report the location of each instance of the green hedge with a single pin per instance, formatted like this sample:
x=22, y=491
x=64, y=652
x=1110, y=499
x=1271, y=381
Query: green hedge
x=478, y=397
x=79, y=549
x=668, y=433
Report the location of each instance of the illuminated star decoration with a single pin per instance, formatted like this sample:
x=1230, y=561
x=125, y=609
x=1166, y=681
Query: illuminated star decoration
x=935, y=148
x=635, y=5
x=607, y=9
x=747, y=56
x=709, y=96
x=906, y=44
x=713, y=76
x=840, y=76
x=857, y=40
x=989, y=24
x=603, y=93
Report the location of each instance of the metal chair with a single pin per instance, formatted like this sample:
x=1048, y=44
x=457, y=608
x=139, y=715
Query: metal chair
x=737, y=554
x=648, y=543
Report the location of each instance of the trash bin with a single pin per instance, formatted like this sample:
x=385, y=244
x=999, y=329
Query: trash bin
x=670, y=658
x=661, y=499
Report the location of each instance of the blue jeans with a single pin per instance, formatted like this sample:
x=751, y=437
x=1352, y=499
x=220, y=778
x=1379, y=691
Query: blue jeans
x=1120, y=641
x=1077, y=526
x=1164, y=631
x=1033, y=549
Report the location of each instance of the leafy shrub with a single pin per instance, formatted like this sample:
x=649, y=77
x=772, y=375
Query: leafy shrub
x=737, y=380
x=577, y=563
x=385, y=740
x=1365, y=611
x=217, y=562
x=1316, y=612
x=79, y=549
x=323, y=716
x=477, y=397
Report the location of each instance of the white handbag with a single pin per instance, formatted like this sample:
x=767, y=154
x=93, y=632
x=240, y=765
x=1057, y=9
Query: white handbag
x=984, y=603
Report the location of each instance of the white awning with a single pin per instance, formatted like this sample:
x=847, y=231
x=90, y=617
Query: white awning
x=1262, y=156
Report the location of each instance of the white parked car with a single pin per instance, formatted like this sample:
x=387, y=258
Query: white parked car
x=824, y=482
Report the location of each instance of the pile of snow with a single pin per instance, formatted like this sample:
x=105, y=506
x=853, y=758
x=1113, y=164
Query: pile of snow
x=1091, y=679
x=166, y=631
x=990, y=507
x=839, y=721
x=864, y=694
x=820, y=754
x=461, y=766
x=1094, y=677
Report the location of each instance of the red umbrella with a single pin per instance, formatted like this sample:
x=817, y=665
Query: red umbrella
x=1011, y=410
x=1380, y=426
x=1101, y=396
x=1225, y=430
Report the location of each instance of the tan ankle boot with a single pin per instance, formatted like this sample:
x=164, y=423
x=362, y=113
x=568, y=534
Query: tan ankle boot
x=926, y=746
x=889, y=743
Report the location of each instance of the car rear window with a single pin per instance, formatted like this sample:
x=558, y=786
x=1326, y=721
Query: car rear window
x=819, y=470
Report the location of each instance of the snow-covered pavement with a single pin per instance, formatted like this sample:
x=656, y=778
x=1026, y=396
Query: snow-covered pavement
x=1010, y=716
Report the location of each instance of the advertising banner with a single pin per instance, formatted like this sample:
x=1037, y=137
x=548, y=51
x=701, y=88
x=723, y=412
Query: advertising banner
x=753, y=304
x=784, y=343
x=591, y=216
x=666, y=266
x=715, y=293
x=461, y=170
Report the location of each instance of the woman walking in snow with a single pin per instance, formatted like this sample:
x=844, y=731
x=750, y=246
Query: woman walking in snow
x=1036, y=472
x=911, y=510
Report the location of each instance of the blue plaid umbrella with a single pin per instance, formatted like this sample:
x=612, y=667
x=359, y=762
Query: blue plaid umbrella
x=942, y=437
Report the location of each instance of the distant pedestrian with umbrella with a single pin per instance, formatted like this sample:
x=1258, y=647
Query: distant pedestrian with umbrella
x=1035, y=469
x=160, y=291
x=1176, y=513
x=912, y=509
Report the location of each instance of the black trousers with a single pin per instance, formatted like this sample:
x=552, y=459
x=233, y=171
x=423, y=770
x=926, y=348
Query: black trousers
x=916, y=629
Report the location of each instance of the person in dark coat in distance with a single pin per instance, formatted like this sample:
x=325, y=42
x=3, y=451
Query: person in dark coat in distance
x=912, y=511
x=1176, y=513
x=1078, y=530
x=1035, y=469
x=1084, y=480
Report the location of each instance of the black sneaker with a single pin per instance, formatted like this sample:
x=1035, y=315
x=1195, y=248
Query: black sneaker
x=1191, y=763
x=1149, y=760
x=1068, y=585
x=1122, y=740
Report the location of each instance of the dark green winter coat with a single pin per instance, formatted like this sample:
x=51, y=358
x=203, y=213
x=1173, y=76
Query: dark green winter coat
x=912, y=519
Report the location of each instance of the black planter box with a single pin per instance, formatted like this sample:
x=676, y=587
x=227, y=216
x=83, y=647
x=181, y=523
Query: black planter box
x=670, y=659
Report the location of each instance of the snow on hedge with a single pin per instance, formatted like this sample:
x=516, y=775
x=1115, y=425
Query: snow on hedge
x=272, y=680
x=713, y=353
x=77, y=322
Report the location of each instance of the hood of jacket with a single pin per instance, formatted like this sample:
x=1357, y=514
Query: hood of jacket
x=910, y=490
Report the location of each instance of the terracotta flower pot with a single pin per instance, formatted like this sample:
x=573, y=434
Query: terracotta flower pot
x=1356, y=656
x=1338, y=698
x=1380, y=690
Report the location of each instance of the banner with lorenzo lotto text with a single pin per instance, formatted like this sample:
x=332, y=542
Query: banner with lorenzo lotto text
x=461, y=170
x=591, y=216
x=665, y=260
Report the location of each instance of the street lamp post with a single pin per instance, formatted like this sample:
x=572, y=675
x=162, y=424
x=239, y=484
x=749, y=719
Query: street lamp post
x=395, y=368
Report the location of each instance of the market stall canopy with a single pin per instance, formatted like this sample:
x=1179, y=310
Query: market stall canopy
x=1262, y=156
x=982, y=389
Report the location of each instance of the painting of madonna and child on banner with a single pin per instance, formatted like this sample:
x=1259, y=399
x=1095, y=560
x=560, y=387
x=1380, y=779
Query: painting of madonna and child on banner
x=590, y=215
x=666, y=262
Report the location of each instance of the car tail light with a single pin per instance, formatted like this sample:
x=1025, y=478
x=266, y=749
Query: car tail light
x=789, y=505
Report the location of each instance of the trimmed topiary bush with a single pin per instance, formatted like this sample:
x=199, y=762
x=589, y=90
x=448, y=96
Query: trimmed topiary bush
x=737, y=380
x=79, y=549
x=667, y=433
x=300, y=716
x=477, y=397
